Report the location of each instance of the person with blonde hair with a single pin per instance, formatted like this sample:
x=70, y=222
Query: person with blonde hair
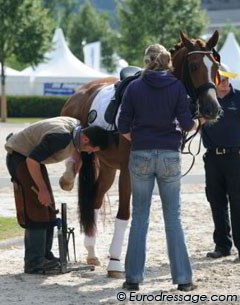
x=157, y=58
x=154, y=110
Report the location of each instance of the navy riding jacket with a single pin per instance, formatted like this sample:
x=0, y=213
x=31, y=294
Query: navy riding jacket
x=225, y=133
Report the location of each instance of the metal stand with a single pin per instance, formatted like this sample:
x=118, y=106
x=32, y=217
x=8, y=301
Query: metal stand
x=64, y=235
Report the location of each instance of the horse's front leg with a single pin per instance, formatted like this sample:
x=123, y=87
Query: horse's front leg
x=104, y=181
x=66, y=181
x=115, y=268
x=90, y=244
x=72, y=166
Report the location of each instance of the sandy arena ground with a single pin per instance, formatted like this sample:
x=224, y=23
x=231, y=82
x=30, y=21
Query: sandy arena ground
x=218, y=280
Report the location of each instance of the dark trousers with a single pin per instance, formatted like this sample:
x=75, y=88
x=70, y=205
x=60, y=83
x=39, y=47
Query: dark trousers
x=38, y=245
x=223, y=194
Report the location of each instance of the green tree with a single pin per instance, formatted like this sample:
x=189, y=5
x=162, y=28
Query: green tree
x=89, y=26
x=156, y=21
x=26, y=32
x=61, y=11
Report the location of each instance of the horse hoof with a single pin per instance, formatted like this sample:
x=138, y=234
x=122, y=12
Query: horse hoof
x=115, y=268
x=66, y=186
x=93, y=261
x=115, y=274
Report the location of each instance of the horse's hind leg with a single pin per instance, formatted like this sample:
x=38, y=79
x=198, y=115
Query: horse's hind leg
x=115, y=268
x=105, y=180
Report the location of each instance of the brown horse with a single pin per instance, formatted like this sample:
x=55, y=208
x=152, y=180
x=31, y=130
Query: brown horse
x=191, y=60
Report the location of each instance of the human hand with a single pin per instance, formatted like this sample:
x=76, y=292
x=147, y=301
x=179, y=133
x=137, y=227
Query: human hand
x=43, y=196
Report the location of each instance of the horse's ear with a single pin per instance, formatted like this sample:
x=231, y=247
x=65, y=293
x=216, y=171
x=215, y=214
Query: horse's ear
x=186, y=41
x=212, y=41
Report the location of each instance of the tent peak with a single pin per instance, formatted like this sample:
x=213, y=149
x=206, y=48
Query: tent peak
x=61, y=62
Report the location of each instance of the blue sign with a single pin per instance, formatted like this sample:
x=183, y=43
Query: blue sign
x=60, y=88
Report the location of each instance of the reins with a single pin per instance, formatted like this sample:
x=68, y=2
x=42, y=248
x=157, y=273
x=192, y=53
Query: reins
x=189, y=152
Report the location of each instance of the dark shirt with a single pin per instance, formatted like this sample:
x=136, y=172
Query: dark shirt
x=50, y=145
x=225, y=132
x=47, y=141
x=153, y=107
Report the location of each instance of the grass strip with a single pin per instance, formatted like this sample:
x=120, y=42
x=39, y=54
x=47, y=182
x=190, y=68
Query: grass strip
x=23, y=120
x=9, y=228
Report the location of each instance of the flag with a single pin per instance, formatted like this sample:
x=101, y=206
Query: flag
x=92, y=55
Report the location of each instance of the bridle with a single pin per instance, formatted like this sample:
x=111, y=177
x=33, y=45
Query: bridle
x=191, y=90
x=194, y=94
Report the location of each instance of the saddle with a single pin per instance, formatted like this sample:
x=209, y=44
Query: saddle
x=127, y=75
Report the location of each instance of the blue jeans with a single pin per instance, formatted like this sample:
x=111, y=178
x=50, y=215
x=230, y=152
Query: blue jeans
x=164, y=166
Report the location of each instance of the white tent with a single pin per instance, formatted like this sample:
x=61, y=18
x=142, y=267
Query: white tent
x=16, y=83
x=230, y=55
x=62, y=72
x=120, y=64
x=10, y=72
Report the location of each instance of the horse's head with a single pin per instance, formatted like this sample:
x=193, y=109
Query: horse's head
x=196, y=64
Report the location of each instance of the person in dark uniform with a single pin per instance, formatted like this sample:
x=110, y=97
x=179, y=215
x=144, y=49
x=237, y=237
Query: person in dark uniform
x=222, y=168
x=44, y=142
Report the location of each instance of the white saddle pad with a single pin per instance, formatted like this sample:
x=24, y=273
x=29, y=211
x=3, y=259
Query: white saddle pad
x=99, y=106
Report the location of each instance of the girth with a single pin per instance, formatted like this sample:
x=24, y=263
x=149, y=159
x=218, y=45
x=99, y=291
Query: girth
x=115, y=102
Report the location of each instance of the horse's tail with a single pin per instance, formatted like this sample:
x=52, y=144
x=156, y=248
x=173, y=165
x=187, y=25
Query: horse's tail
x=86, y=193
